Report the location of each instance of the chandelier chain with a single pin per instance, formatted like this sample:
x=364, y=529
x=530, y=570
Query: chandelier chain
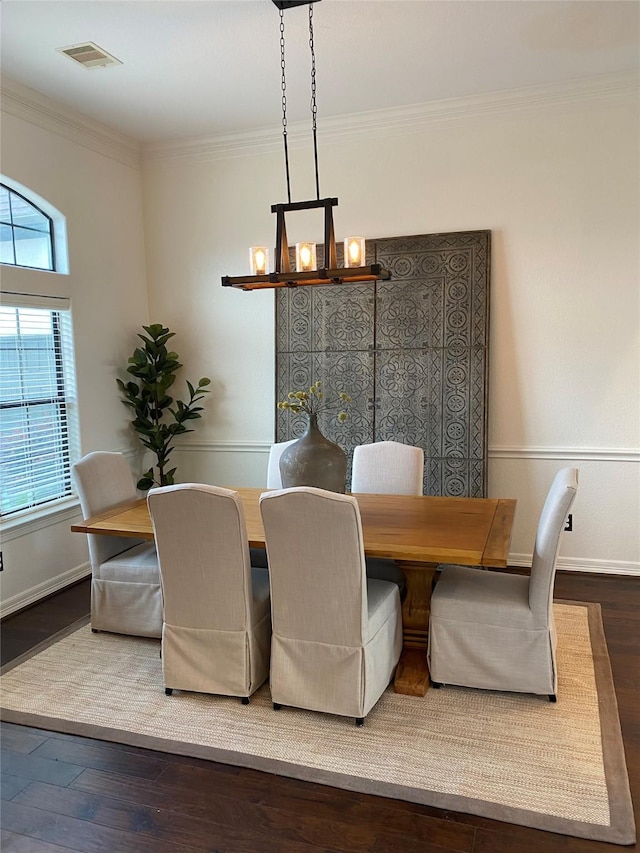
x=284, y=103
x=314, y=106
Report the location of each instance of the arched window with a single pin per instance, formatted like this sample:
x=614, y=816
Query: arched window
x=26, y=232
x=38, y=408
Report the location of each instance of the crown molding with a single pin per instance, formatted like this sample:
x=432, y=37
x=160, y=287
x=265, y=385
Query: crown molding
x=34, y=107
x=390, y=122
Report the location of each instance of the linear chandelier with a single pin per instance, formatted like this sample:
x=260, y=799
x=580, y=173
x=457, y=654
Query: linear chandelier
x=306, y=271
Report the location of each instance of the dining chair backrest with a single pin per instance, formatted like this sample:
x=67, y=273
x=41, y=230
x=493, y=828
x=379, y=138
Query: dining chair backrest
x=203, y=552
x=336, y=636
x=550, y=526
x=104, y=480
x=388, y=468
x=274, y=480
x=495, y=630
x=216, y=633
x=316, y=566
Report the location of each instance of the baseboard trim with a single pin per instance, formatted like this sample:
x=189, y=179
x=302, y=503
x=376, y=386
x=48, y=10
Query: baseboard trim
x=582, y=564
x=42, y=590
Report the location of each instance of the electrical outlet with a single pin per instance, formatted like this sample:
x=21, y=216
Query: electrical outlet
x=569, y=523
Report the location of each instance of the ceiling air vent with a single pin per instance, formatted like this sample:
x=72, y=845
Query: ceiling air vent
x=89, y=55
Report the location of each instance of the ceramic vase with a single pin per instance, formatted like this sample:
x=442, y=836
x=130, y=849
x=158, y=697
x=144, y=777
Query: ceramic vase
x=313, y=460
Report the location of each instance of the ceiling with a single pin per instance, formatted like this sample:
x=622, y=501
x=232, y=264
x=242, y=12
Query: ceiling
x=207, y=68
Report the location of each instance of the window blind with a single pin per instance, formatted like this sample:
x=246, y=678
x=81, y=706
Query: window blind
x=38, y=412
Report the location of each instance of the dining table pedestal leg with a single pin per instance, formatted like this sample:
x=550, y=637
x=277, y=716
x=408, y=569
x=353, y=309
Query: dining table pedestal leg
x=412, y=673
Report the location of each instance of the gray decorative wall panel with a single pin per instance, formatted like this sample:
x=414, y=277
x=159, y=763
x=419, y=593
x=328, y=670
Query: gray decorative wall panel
x=411, y=352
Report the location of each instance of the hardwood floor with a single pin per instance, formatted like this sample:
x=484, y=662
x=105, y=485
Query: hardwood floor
x=63, y=793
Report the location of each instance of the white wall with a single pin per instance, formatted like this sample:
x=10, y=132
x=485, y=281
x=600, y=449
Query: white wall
x=95, y=182
x=555, y=182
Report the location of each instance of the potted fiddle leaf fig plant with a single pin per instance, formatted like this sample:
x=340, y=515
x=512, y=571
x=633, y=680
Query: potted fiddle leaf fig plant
x=158, y=417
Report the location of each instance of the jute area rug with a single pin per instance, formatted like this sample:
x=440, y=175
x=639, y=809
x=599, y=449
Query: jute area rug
x=514, y=757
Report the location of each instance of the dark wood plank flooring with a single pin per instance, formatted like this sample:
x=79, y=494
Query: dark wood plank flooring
x=62, y=793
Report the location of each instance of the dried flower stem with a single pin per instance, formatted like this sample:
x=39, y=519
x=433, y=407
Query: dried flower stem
x=312, y=402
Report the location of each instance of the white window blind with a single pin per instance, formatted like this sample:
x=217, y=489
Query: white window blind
x=38, y=414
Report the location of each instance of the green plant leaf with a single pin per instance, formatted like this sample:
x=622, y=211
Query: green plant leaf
x=146, y=481
x=157, y=417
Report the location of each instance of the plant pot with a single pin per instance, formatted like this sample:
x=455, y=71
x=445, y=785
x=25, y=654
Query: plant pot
x=313, y=460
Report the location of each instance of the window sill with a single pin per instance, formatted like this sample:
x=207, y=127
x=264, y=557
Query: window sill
x=30, y=520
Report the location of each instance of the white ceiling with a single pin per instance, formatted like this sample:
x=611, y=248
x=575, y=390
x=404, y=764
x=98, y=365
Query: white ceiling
x=205, y=68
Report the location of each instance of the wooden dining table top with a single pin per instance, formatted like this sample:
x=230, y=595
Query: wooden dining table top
x=422, y=529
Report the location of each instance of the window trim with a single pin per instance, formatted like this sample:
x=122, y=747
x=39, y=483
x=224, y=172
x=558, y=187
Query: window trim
x=66, y=377
x=13, y=226
x=26, y=521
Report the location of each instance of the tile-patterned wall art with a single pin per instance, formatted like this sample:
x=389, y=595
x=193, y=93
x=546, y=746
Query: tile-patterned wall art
x=412, y=353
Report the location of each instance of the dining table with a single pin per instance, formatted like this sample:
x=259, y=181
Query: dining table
x=419, y=532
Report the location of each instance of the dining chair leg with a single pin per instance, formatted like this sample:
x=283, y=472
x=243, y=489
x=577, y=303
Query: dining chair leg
x=168, y=691
x=553, y=697
x=359, y=721
x=276, y=706
x=245, y=700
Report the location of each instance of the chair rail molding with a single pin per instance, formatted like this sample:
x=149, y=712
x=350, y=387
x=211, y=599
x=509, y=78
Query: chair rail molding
x=223, y=446
x=588, y=454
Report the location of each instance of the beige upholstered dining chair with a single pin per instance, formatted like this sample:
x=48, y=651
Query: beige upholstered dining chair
x=125, y=581
x=494, y=630
x=387, y=468
x=337, y=636
x=274, y=481
x=217, y=624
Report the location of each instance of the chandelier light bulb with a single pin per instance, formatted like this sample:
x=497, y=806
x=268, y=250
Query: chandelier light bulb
x=259, y=260
x=305, y=257
x=354, y=252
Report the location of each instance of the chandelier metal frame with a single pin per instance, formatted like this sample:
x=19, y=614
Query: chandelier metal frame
x=284, y=276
